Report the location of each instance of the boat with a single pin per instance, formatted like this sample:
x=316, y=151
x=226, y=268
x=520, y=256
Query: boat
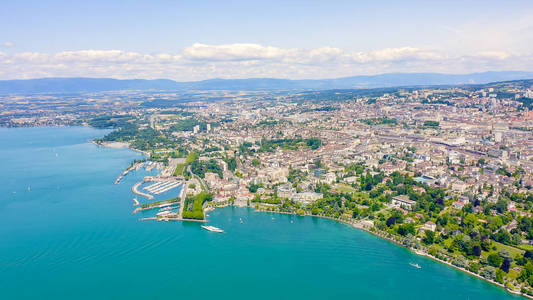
x=415, y=265
x=241, y=220
x=212, y=228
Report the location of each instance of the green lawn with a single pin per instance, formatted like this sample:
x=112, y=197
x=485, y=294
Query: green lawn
x=179, y=169
x=513, y=250
x=525, y=247
x=343, y=188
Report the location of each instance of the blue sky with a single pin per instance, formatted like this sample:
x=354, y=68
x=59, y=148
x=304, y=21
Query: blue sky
x=190, y=40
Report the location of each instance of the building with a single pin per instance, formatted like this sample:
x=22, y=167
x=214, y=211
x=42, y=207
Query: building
x=403, y=201
x=429, y=226
x=306, y=197
x=285, y=191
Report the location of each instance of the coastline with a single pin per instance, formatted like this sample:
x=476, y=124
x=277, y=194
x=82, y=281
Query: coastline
x=356, y=224
x=118, y=145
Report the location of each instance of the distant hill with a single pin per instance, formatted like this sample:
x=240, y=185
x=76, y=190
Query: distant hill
x=83, y=85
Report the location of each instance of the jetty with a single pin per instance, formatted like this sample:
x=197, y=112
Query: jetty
x=135, y=190
x=182, y=200
x=135, y=166
x=171, y=219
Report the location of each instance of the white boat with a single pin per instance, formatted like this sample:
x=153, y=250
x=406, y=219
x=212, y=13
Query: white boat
x=241, y=221
x=212, y=228
x=415, y=265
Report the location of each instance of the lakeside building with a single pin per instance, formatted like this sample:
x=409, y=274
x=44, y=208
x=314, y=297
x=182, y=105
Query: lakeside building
x=402, y=201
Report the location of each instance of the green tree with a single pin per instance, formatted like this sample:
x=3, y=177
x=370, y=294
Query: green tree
x=429, y=237
x=494, y=260
x=255, y=162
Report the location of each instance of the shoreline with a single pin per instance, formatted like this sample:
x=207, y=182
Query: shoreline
x=118, y=145
x=355, y=225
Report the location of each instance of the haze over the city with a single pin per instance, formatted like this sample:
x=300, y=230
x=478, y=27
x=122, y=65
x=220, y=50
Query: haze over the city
x=185, y=41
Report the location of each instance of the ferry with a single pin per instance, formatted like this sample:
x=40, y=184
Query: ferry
x=415, y=265
x=212, y=228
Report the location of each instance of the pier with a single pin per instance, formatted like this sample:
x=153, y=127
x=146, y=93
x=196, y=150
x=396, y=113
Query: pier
x=135, y=190
x=182, y=200
x=171, y=219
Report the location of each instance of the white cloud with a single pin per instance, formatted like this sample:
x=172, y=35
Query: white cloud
x=234, y=52
x=8, y=44
x=201, y=61
x=494, y=54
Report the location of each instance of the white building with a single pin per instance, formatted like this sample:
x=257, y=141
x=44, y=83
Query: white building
x=306, y=197
x=403, y=201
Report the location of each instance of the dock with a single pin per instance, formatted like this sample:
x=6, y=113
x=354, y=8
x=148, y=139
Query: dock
x=182, y=200
x=172, y=219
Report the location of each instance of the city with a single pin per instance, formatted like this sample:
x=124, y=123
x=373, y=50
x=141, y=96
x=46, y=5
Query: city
x=446, y=171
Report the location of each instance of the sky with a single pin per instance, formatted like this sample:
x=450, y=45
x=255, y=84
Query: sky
x=202, y=39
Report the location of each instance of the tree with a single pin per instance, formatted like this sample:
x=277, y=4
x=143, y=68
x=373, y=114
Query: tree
x=476, y=250
x=391, y=221
x=255, y=162
x=494, y=260
x=429, y=238
x=355, y=213
x=232, y=163
x=516, y=239
x=488, y=272
x=499, y=276
x=501, y=205
x=406, y=229
x=506, y=265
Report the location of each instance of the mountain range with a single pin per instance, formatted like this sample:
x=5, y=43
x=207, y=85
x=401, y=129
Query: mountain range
x=84, y=85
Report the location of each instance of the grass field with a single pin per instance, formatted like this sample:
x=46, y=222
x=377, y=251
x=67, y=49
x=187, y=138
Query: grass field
x=179, y=169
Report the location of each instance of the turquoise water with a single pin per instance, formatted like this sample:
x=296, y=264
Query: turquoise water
x=71, y=235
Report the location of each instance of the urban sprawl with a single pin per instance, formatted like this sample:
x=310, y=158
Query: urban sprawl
x=445, y=171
